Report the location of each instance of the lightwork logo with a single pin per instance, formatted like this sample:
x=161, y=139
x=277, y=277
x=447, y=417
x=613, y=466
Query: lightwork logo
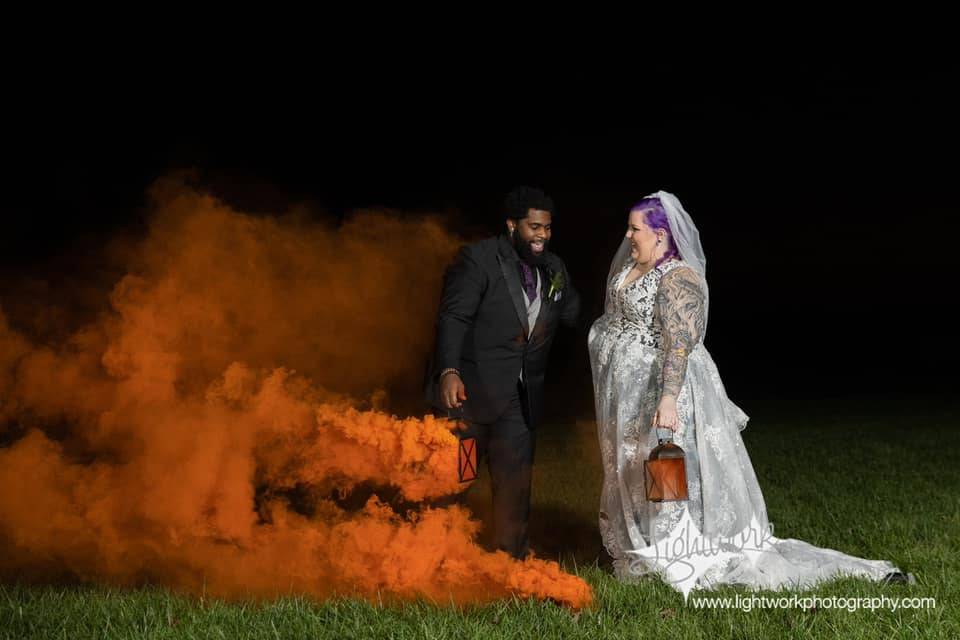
x=685, y=553
x=809, y=603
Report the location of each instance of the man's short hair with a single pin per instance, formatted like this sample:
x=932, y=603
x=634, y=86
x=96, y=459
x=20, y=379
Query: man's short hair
x=519, y=201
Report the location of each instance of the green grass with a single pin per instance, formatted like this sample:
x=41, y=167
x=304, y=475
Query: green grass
x=878, y=484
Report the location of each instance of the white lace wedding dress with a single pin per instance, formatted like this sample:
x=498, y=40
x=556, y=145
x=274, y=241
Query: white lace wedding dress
x=627, y=359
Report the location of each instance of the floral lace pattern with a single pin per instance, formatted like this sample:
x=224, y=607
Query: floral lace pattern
x=627, y=357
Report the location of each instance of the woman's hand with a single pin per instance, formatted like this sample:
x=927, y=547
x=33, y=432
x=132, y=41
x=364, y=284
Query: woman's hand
x=666, y=415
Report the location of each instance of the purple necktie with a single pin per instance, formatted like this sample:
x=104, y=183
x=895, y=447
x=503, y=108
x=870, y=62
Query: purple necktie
x=529, y=280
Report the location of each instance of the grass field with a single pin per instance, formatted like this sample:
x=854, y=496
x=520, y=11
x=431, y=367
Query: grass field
x=880, y=482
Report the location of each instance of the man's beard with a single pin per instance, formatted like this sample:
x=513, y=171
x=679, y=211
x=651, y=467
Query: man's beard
x=526, y=253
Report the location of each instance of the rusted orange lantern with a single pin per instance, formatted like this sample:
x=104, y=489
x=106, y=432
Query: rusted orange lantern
x=665, y=473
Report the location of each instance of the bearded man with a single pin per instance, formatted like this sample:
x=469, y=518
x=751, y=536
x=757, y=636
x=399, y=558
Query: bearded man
x=503, y=300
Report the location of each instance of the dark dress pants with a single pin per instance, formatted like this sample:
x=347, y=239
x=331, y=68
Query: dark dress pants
x=508, y=446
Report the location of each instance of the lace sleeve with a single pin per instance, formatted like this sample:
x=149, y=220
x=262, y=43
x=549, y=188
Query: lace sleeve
x=680, y=302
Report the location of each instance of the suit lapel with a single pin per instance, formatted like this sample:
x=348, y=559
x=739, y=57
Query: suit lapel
x=511, y=274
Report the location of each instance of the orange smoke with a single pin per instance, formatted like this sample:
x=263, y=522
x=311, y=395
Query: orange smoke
x=203, y=432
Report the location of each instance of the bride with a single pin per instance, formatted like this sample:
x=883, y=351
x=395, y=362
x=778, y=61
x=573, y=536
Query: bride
x=650, y=370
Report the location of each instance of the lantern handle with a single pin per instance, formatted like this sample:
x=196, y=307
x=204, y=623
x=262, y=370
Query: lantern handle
x=660, y=438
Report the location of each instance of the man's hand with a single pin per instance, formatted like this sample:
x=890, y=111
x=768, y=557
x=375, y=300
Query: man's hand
x=452, y=391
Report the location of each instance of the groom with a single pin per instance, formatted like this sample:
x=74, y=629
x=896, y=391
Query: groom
x=502, y=301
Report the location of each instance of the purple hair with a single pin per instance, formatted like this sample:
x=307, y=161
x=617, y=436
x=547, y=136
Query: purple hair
x=656, y=219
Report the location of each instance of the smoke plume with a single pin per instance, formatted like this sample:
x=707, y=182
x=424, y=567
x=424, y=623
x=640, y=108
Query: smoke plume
x=207, y=430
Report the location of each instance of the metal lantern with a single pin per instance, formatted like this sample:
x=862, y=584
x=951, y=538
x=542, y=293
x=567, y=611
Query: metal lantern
x=467, y=460
x=665, y=473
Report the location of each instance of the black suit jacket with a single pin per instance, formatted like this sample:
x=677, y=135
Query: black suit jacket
x=482, y=329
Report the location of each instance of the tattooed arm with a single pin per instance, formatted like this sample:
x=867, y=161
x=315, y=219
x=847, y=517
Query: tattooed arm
x=680, y=302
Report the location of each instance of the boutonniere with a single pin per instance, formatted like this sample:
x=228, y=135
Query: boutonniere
x=555, y=292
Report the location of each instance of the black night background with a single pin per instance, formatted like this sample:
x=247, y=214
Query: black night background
x=824, y=193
